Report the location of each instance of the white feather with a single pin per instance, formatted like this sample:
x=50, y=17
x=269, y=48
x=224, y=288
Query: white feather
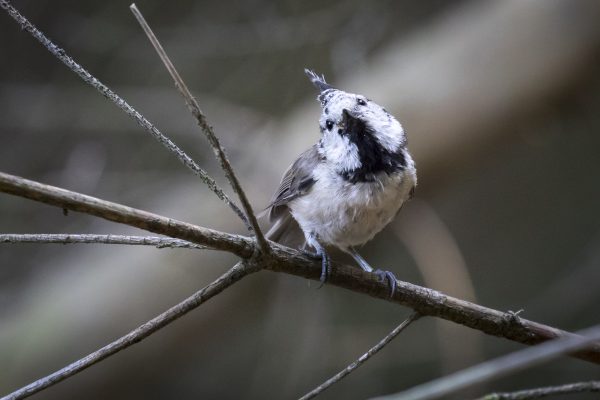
x=345, y=214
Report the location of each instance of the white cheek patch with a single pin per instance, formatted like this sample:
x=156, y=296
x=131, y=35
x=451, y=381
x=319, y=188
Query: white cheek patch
x=386, y=129
x=389, y=134
x=340, y=151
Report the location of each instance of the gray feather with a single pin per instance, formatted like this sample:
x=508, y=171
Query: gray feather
x=318, y=81
x=297, y=181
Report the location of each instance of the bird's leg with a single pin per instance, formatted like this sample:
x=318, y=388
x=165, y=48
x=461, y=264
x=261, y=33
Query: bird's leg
x=380, y=273
x=321, y=254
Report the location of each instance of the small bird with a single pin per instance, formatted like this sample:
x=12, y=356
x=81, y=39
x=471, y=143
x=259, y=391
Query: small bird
x=347, y=187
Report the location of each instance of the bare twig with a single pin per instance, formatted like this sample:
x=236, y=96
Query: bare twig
x=232, y=276
x=65, y=199
x=425, y=301
x=372, y=351
x=69, y=238
x=538, y=393
x=194, y=107
x=498, y=367
x=122, y=104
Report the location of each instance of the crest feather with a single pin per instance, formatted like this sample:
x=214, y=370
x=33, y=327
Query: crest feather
x=318, y=81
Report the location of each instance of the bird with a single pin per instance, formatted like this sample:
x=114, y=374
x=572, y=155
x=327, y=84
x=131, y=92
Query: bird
x=349, y=185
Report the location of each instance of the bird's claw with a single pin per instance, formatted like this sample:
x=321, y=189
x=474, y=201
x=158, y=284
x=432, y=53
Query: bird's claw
x=324, y=264
x=311, y=254
x=324, y=269
x=391, y=278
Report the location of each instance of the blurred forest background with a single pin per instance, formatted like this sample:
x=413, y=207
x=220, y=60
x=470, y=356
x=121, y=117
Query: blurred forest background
x=501, y=104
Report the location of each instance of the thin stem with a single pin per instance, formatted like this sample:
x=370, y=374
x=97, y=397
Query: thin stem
x=498, y=367
x=426, y=301
x=232, y=276
x=194, y=107
x=70, y=238
x=372, y=351
x=122, y=104
x=65, y=199
x=538, y=393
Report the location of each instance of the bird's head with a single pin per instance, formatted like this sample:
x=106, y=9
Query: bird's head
x=354, y=127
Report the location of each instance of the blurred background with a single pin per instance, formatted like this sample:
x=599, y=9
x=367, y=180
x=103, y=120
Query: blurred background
x=500, y=101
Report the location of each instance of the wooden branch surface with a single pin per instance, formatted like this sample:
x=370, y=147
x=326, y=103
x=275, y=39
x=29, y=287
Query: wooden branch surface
x=426, y=302
x=86, y=238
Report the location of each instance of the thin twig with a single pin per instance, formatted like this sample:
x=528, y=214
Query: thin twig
x=194, y=107
x=538, y=393
x=70, y=238
x=232, y=276
x=283, y=259
x=122, y=104
x=372, y=351
x=65, y=199
x=498, y=367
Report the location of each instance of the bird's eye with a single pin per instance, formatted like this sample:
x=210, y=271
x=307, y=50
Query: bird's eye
x=361, y=102
x=329, y=124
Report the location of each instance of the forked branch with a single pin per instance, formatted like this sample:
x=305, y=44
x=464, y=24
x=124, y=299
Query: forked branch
x=194, y=107
x=426, y=302
x=259, y=253
x=123, y=105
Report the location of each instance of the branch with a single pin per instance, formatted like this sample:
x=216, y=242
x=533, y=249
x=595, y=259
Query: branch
x=194, y=107
x=538, y=393
x=239, y=245
x=426, y=302
x=68, y=238
x=372, y=351
x=236, y=273
x=498, y=367
x=122, y=104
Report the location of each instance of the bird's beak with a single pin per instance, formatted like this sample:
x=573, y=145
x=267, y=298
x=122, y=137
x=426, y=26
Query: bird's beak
x=350, y=123
x=347, y=118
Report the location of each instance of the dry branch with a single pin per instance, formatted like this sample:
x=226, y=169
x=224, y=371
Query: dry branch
x=70, y=238
x=123, y=105
x=194, y=108
x=239, y=245
x=372, y=351
x=426, y=302
x=498, y=367
x=538, y=393
x=236, y=273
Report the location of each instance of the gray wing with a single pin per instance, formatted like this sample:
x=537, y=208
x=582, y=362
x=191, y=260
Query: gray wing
x=296, y=181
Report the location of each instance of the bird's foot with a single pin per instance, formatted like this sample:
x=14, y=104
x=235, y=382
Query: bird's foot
x=324, y=269
x=325, y=264
x=391, y=278
x=311, y=254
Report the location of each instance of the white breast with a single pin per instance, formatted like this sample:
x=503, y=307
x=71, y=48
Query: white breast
x=346, y=214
